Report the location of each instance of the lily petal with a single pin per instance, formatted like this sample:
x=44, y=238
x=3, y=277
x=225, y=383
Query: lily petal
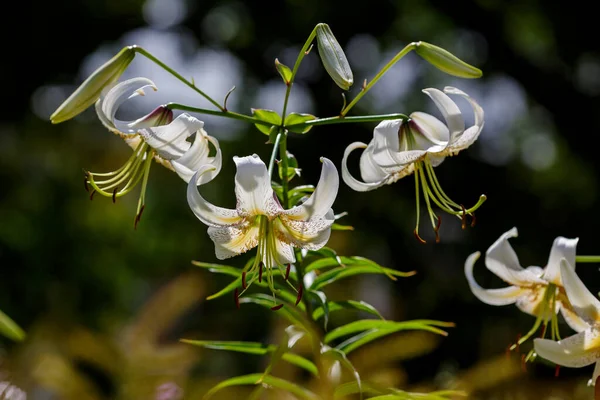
x=371, y=170
x=470, y=135
x=196, y=156
x=233, y=240
x=386, y=146
x=494, y=297
x=311, y=234
x=169, y=141
x=206, y=212
x=575, y=351
x=561, y=248
x=107, y=106
x=449, y=110
x=253, y=188
x=283, y=254
x=502, y=260
x=585, y=304
x=432, y=128
x=320, y=201
x=571, y=318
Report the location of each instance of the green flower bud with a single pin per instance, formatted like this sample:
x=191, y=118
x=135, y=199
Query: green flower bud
x=446, y=61
x=91, y=89
x=333, y=57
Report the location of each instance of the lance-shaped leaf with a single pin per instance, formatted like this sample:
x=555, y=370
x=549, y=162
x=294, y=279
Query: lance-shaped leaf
x=254, y=379
x=269, y=116
x=288, y=311
x=10, y=329
x=284, y=71
x=333, y=306
x=338, y=273
x=255, y=348
x=446, y=61
x=298, y=119
x=333, y=57
x=343, y=360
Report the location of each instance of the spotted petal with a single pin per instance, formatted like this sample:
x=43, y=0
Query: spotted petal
x=561, y=248
x=236, y=239
x=575, y=351
x=494, y=297
x=311, y=234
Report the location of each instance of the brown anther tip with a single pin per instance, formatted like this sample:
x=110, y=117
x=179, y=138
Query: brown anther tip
x=437, y=229
x=464, y=217
x=597, y=389
x=299, y=297
x=260, y=268
x=244, y=280
x=114, y=196
x=545, y=326
x=523, y=363
x=85, y=184
x=92, y=195
x=277, y=307
x=287, y=271
x=138, y=217
x=517, y=348
x=419, y=237
x=556, y=371
x=473, y=220
x=236, y=297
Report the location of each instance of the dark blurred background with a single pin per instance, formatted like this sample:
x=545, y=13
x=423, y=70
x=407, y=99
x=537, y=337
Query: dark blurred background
x=104, y=305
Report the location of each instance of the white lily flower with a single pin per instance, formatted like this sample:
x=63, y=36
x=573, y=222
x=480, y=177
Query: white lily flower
x=583, y=348
x=260, y=221
x=416, y=145
x=534, y=290
x=155, y=136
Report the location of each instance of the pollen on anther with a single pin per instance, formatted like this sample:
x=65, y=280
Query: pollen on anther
x=473, y=220
x=437, y=229
x=260, y=269
x=299, y=297
x=92, y=195
x=277, y=307
x=556, y=371
x=419, y=237
x=138, y=217
x=114, y=196
x=464, y=217
x=287, y=271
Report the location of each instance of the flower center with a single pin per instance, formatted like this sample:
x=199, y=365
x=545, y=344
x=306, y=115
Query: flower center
x=122, y=181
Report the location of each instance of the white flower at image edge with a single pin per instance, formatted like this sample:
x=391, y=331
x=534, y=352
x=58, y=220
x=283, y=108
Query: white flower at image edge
x=260, y=221
x=583, y=348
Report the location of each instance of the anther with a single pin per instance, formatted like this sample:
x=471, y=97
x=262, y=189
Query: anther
x=473, y=220
x=437, y=229
x=92, y=194
x=287, y=271
x=418, y=237
x=277, y=307
x=138, y=217
x=556, y=371
x=523, y=363
x=544, y=330
x=464, y=217
x=260, y=268
x=244, y=280
x=114, y=196
x=597, y=388
x=236, y=297
x=517, y=349
x=85, y=184
x=299, y=297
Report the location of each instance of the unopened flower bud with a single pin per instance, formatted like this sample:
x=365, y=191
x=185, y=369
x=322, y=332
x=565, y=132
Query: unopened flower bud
x=333, y=57
x=446, y=61
x=91, y=89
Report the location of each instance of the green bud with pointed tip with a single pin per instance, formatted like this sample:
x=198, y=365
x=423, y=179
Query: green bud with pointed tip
x=91, y=89
x=446, y=61
x=333, y=57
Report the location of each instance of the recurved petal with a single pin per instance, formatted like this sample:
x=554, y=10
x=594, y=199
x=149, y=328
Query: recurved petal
x=107, y=106
x=494, y=297
x=575, y=351
x=470, y=135
x=311, y=234
x=253, y=188
x=386, y=146
x=561, y=248
x=197, y=156
x=571, y=318
x=321, y=200
x=206, y=212
x=449, y=110
x=502, y=260
x=233, y=240
x=369, y=171
x=432, y=128
x=585, y=304
x=372, y=170
x=170, y=141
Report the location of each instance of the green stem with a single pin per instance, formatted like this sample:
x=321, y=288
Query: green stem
x=274, y=153
x=226, y=114
x=354, y=119
x=587, y=259
x=284, y=164
x=164, y=66
x=301, y=56
x=365, y=89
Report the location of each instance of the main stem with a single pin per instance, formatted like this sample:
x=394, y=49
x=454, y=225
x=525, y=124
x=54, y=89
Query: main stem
x=223, y=113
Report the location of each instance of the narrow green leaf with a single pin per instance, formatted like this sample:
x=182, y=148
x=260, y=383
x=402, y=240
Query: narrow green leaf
x=227, y=289
x=269, y=116
x=346, y=305
x=338, y=227
x=338, y=273
x=255, y=348
x=256, y=379
x=369, y=388
x=341, y=357
x=367, y=324
x=288, y=311
x=297, y=119
x=10, y=329
x=219, y=269
x=284, y=71
x=324, y=306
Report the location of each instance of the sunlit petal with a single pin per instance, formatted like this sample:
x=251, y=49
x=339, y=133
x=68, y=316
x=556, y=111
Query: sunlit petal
x=311, y=234
x=575, y=351
x=571, y=318
x=283, y=254
x=253, y=188
x=197, y=156
x=434, y=130
x=206, y=212
x=494, y=297
x=585, y=304
x=561, y=248
x=321, y=200
x=470, y=135
x=233, y=240
x=386, y=146
x=449, y=110
x=370, y=171
x=170, y=141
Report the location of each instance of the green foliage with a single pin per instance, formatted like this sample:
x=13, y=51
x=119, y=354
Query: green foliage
x=269, y=116
x=298, y=119
x=284, y=71
x=10, y=329
x=269, y=381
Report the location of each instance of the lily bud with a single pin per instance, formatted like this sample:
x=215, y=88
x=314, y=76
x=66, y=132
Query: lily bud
x=333, y=57
x=91, y=89
x=446, y=61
